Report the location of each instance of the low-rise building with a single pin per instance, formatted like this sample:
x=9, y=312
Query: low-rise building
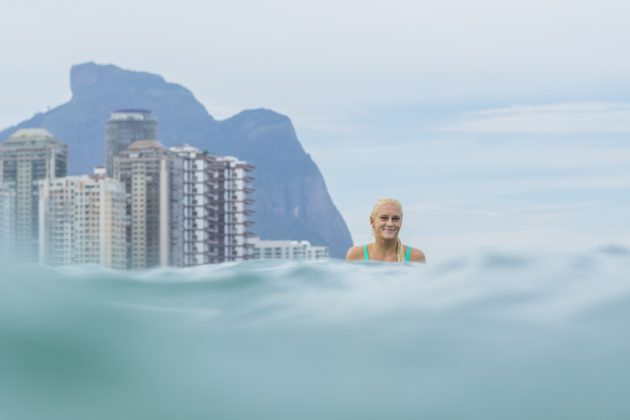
x=288, y=250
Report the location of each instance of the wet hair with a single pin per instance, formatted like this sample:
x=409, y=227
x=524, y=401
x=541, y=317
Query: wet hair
x=400, y=251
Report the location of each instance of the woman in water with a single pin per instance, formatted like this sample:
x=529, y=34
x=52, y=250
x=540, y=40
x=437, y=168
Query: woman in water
x=386, y=221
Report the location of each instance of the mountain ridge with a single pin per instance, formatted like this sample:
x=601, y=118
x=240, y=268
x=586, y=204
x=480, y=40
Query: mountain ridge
x=292, y=201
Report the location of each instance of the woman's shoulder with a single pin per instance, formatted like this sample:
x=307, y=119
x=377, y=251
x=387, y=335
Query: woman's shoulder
x=355, y=253
x=417, y=255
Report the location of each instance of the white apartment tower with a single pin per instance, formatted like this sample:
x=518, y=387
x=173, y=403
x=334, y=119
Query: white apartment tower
x=199, y=205
x=82, y=221
x=234, y=197
x=29, y=155
x=215, y=201
x=152, y=176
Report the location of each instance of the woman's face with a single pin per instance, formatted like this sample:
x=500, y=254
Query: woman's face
x=387, y=222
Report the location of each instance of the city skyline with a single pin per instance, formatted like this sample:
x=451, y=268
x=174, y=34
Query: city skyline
x=139, y=217
x=159, y=206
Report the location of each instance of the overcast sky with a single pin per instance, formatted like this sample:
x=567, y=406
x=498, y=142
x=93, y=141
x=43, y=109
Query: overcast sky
x=319, y=59
x=335, y=66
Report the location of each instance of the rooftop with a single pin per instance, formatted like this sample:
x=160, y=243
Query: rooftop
x=132, y=114
x=145, y=144
x=32, y=134
x=133, y=110
x=185, y=148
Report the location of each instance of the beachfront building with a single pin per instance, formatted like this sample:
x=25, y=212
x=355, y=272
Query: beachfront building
x=82, y=221
x=7, y=222
x=234, y=213
x=152, y=176
x=199, y=205
x=27, y=156
x=124, y=127
x=288, y=250
x=216, y=207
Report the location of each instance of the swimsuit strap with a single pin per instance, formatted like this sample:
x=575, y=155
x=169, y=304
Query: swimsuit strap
x=365, y=253
x=408, y=254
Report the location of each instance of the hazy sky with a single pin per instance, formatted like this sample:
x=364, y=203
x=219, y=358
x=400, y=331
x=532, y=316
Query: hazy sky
x=352, y=75
x=322, y=59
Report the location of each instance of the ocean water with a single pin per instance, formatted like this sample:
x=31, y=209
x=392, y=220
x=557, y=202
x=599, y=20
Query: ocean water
x=482, y=336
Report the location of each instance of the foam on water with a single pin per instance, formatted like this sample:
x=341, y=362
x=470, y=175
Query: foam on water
x=493, y=336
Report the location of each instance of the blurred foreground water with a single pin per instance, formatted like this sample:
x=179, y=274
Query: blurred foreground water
x=495, y=336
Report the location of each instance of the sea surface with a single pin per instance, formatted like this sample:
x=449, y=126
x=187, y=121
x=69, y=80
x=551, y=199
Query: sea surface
x=481, y=336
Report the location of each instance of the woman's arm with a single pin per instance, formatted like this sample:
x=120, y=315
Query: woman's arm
x=417, y=256
x=355, y=253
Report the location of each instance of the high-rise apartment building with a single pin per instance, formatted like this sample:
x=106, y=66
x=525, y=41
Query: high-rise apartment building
x=216, y=197
x=82, y=221
x=199, y=205
x=152, y=176
x=234, y=197
x=29, y=155
x=7, y=222
x=124, y=127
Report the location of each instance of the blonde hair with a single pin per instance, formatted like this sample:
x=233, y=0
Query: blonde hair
x=400, y=250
